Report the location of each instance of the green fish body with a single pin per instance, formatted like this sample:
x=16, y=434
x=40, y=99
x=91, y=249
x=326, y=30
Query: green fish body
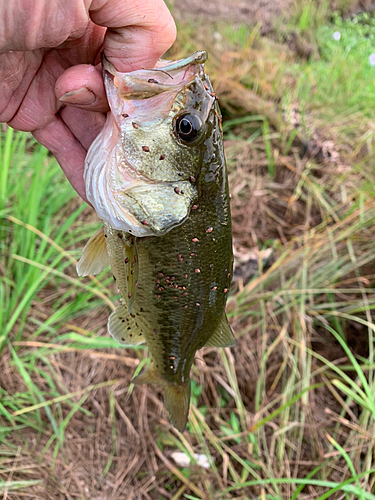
x=168, y=237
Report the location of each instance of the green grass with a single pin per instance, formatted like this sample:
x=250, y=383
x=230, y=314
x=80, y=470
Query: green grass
x=256, y=409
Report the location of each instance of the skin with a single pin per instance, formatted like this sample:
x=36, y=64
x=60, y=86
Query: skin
x=50, y=80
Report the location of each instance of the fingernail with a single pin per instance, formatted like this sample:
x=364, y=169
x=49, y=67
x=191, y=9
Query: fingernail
x=82, y=97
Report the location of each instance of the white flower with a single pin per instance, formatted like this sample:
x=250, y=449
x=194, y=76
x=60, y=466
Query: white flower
x=337, y=36
x=183, y=460
x=372, y=59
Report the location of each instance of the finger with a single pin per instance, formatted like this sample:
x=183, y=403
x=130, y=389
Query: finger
x=67, y=150
x=138, y=32
x=84, y=125
x=82, y=86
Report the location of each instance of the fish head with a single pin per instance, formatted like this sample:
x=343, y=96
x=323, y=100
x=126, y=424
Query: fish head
x=141, y=170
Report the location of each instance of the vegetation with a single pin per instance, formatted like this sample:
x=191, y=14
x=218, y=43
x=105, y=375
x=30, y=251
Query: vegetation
x=289, y=413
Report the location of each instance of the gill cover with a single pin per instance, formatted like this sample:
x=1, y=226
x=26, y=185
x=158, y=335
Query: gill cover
x=139, y=170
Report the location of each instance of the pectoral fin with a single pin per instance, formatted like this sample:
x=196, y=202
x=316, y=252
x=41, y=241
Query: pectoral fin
x=222, y=336
x=94, y=256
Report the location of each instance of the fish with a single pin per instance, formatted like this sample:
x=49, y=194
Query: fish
x=156, y=176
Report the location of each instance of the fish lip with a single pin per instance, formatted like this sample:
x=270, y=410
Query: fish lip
x=198, y=57
x=139, y=84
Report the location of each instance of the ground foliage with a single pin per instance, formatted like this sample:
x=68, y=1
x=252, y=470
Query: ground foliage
x=289, y=412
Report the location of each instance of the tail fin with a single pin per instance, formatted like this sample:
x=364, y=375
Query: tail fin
x=177, y=401
x=176, y=397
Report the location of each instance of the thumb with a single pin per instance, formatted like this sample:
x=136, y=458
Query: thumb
x=138, y=33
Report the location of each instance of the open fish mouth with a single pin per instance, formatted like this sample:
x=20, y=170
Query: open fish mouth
x=139, y=162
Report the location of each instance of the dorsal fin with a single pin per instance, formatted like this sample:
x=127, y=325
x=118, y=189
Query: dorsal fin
x=223, y=335
x=94, y=255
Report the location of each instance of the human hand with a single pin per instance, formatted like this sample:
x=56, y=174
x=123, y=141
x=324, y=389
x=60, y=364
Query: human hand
x=49, y=55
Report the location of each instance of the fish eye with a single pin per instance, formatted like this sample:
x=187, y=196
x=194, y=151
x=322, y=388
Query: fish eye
x=188, y=127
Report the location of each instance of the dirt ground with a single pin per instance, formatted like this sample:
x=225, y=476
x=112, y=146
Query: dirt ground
x=242, y=11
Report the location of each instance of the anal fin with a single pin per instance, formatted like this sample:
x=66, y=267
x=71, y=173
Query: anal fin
x=125, y=328
x=222, y=336
x=94, y=255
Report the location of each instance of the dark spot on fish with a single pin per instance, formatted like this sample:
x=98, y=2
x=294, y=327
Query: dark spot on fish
x=195, y=240
x=194, y=207
x=161, y=289
x=145, y=223
x=135, y=258
x=130, y=335
x=160, y=274
x=173, y=278
x=184, y=294
x=132, y=272
x=114, y=277
x=126, y=260
x=141, y=310
x=151, y=80
x=209, y=230
x=214, y=288
x=175, y=297
x=197, y=304
x=172, y=357
x=132, y=264
x=127, y=278
x=129, y=295
x=180, y=174
x=197, y=270
x=162, y=157
x=192, y=179
x=125, y=115
x=185, y=307
x=192, y=254
x=185, y=275
x=180, y=258
x=182, y=192
x=175, y=285
x=123, y=339
x=176, y=190
x=155, y=330
x=183, y=287
x=158, y=296
x=129, y=328
x=134, y=125
x=105, y=236
x=122, y=321
x=225, y=290
x=119, y=235
x=146, y=149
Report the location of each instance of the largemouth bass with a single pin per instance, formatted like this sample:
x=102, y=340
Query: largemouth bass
x=156, y=175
